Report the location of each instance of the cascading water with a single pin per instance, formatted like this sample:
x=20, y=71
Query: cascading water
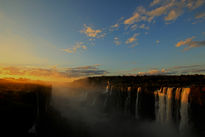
x=161, y=112
x=169, y=105
x=164, y=106
x=137, y=101
x=127, y=101
x=184, y=122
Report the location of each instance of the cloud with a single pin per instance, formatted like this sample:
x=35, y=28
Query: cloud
x=170, y=9
x=90, y=32
x=85, y=71
x=132, y=39
x=189, y=43
x=155, y=72
x=78, y=45
x=33, y=73
x=155, y=2
x=133, y=19
x=115, y=26
x=143, y=26
x=143, y=15
x=200, y=15
x=116, y=41
x=53, y=74
x=193, y=4
x=186, y=69
x=158, y=11
x=134, y=27
x=173, y=15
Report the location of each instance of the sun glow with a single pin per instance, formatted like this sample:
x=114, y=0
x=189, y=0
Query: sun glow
x=34, y=74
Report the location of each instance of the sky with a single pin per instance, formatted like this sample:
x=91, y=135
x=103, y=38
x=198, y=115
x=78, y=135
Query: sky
x=70, y=39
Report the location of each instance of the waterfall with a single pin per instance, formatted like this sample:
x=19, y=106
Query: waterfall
x=127, y=101
x=137, y=101
x=184, y=109
x=177, y=94
x=107, y=93
x=107, y=87
x=161, y=115
x=163, y=105
x=169, y=105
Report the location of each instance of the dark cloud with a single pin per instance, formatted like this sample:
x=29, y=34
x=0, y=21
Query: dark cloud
x=92, y=70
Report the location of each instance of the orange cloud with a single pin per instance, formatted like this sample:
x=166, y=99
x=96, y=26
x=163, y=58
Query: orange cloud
x=155, y=2
x=200, y=15
x=193, y=4
x=53, y=74
x=153, y=72
x=173, y=14
x=78, y=45
x=90, y=32
x=185, y=42
x=189, y=43
x=50, y=75
x=132, y=39
x=186, y=69
x=115, y=25
x=133, y=19
x=171, y=9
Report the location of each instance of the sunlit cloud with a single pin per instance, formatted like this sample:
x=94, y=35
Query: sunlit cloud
x=135, y=18
x=154, y=72
x=200, y=15
x=116, y=41
x=143, y=26
x=189, y=43
x=115, y=26
x=52, y=74
x=155, y=2
x=173, y=14
x=78, y=45
x=33, y=73
x=132, y=39
x=176, y=70
x=193, y=4
x=90, y=32
x=170, y=10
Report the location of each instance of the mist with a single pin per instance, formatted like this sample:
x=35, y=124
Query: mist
x=83, y=108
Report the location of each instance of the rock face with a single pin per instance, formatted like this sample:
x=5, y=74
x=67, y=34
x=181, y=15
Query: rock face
x=182, y=106
x=21, y=107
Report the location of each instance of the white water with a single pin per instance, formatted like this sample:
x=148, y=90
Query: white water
x=184, y=122
x=177, y=94
x=161, y=114
x=137, y=101
x=127, y=101
x=163, y=106
x=169, y=105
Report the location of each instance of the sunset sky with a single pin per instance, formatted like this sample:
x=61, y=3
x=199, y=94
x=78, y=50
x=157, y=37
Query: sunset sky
x=69, y=39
